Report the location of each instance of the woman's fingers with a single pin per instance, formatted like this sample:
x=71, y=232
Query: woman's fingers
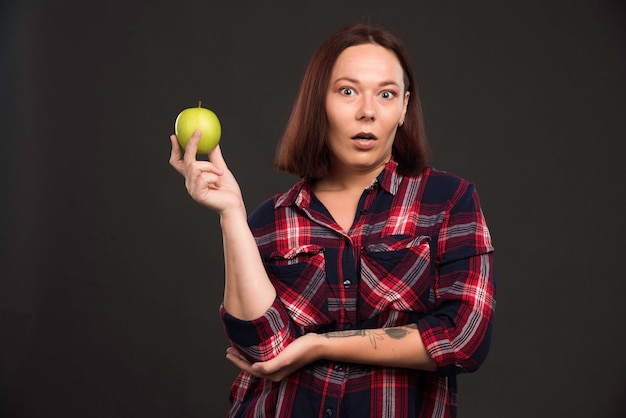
x=216, y=158
x=208, y=182
x=192, y=146
x=188, y=165
x=176, y=156
x=268, y=370
x=232, y=352
x=238, y=360
x=199, y=181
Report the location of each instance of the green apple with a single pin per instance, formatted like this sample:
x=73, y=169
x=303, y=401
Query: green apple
x=198, y=118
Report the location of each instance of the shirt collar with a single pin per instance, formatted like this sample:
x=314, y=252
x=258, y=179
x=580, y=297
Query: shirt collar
x=300, y=194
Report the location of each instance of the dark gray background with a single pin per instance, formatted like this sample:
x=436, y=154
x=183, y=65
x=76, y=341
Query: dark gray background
x=111, y=276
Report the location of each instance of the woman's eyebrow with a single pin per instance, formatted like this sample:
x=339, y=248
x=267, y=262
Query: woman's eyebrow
x=355, y=81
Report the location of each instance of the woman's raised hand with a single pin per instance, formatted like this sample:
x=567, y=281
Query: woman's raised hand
x=209, y=183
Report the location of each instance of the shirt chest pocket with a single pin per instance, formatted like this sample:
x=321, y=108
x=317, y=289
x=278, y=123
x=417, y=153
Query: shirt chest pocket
x=299, y=276
x=395, y=277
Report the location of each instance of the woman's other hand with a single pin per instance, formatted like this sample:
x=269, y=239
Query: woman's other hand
x=299, y=353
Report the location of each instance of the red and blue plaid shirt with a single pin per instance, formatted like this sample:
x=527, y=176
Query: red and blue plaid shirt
x=419, y=252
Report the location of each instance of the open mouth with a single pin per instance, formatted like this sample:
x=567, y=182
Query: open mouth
x=364, y=136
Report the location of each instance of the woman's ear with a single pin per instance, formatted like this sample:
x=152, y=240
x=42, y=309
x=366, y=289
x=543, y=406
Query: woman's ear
x=404, y=108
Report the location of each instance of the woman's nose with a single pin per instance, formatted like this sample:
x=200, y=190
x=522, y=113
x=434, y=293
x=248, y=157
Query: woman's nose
x=366, y=109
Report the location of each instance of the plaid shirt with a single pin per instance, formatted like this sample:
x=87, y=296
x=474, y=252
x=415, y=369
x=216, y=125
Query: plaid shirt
x=419, y=251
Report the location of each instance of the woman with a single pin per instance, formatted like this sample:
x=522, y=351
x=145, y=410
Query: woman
x=365, y=289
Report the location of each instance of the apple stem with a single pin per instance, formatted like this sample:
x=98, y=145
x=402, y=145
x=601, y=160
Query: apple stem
x=199, y=103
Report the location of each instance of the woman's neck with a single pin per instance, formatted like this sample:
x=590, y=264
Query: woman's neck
x=344, y=180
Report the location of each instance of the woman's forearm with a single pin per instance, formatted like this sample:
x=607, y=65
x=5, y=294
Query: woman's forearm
x=248, y=292
x=392, y=347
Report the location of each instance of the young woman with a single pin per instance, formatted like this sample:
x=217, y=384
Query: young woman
x=365, y=289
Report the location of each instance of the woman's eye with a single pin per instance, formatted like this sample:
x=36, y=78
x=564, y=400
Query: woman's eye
x=387, y=94
x=346, y=91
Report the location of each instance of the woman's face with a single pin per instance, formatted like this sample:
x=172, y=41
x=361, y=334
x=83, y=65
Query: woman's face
x=365, y=102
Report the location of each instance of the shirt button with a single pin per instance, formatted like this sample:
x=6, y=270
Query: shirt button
x=338, y=367
x=329, y=412
x=347, y=283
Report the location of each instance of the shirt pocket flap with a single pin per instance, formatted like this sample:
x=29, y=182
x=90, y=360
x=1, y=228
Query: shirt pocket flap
x=395, y=276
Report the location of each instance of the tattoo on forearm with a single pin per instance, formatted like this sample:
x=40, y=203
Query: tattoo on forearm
x=396, y=333
x=346, y=333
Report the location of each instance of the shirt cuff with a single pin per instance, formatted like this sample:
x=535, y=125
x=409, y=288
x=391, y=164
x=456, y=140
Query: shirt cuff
x=263, y=338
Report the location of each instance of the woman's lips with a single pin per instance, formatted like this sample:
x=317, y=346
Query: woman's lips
x=364, y=140
x=367, y=136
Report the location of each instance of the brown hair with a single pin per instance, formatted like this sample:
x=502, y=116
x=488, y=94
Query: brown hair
x=303, y=150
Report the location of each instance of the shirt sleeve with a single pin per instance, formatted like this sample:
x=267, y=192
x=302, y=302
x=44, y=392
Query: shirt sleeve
x=457, y=331
x=263, y=338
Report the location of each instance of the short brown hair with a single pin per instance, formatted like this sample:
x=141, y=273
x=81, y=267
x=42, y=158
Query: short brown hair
x=303, y=150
